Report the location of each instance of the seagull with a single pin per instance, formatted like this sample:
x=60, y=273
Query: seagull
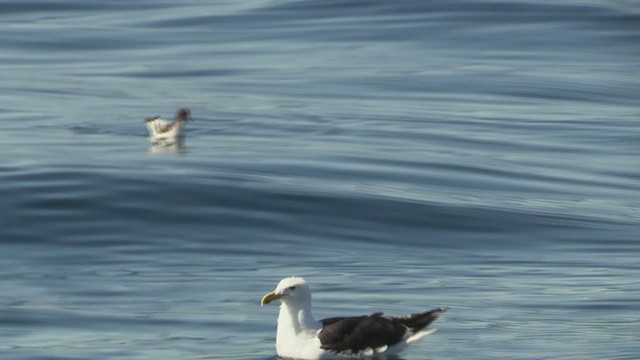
x=300, y=336
x=160, y=128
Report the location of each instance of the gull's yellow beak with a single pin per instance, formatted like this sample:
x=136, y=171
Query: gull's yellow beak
x=269, y=297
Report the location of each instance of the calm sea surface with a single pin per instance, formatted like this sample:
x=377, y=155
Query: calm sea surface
x=401, y=155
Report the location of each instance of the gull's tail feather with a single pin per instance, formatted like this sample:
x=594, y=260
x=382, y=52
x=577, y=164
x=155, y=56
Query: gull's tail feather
x=419, y=321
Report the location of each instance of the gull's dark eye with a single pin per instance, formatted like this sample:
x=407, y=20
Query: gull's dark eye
x=292, y=287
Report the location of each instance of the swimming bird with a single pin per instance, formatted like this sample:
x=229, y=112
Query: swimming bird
x=300, y=336
x=160, y=128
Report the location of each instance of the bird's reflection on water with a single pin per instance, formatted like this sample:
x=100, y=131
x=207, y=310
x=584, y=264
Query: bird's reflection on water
x=167, y=145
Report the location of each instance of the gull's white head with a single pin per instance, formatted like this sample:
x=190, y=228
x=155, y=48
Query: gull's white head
x=290, y=290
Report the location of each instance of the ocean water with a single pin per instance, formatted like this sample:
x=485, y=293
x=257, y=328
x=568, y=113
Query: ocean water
x=401, y=155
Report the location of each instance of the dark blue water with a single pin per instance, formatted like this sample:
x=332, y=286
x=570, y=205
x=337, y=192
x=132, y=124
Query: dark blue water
x=476, y=154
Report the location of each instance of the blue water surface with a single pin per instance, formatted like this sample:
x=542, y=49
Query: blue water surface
x=401, y=155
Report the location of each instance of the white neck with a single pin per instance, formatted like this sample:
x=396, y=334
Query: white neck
x=297, y=329
x=296, y=318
